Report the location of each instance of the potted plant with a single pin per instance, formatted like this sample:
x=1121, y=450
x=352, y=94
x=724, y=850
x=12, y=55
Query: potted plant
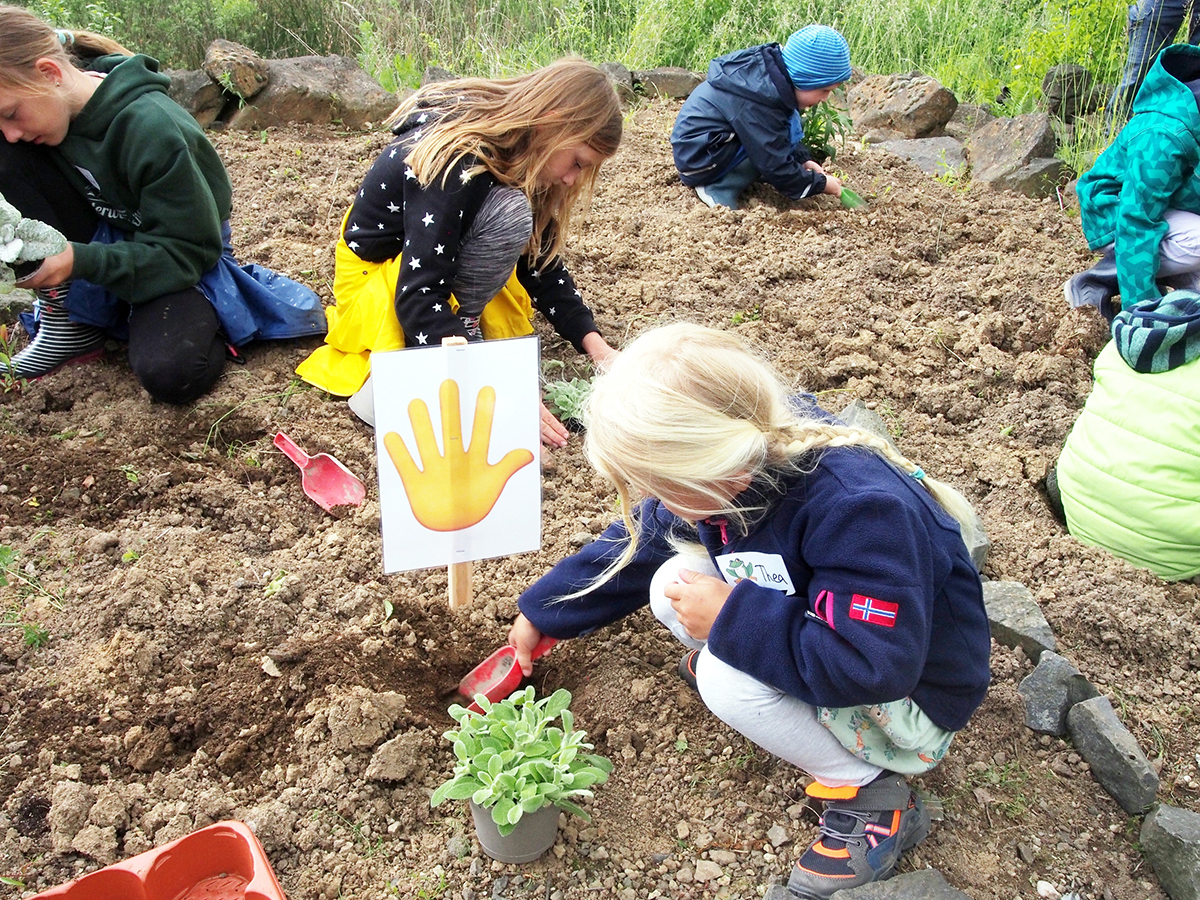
x=518, y=770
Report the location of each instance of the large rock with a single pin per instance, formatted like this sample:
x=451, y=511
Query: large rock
x=621, y=79
x=935, y=156
x=316, y=90
x=967, y=119
x=237, y=69
x=1050, y=691
x=926, y=884
x=897, y=107
x=1170, y=839
x=668, y=81
x=198, y=94
x=1017, y=154
x=1116, y=759
x=1016, y=619
x=1071, y=91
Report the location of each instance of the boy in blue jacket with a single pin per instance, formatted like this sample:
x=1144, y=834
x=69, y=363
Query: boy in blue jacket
x=743, y=124
x=819, y=579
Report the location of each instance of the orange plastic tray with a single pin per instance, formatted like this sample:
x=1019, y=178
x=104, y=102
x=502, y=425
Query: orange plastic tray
x=221, y=862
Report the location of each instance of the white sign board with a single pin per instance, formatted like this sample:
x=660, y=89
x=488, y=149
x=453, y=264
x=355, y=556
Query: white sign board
x=458, y=438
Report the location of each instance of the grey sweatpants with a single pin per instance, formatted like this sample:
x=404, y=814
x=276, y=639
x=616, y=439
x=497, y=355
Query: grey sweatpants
x=779, y=723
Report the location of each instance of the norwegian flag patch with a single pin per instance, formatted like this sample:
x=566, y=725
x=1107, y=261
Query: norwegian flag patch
x=873, y=612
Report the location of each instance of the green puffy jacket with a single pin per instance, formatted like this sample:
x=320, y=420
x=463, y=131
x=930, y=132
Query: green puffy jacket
x=1148, y=169
x=1130, y=471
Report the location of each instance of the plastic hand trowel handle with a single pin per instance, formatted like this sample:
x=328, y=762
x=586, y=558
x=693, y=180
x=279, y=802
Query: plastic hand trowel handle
x=290, y=450
x=499, y=675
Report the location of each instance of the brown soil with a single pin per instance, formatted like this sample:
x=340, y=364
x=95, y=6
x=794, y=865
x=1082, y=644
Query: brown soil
x=172, y=558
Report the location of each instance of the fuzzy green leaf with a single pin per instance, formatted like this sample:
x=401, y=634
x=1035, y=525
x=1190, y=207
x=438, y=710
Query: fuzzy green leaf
x=574, y=810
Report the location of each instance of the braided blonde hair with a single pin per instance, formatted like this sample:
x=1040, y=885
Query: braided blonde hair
x=513, y=126
x=692, y=412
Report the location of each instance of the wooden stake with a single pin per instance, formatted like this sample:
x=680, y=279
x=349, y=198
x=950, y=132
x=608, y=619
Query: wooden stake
x=460, y=584
x=458, y=574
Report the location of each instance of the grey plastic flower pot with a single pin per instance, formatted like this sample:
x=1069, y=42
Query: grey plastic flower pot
x=532, y=837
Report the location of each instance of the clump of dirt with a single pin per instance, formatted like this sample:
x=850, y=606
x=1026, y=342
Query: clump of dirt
x=220, y=647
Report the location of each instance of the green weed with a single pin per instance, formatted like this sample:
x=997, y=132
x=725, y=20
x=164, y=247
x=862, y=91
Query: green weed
x=9, y=381
x=275, y=585
x=754, y=314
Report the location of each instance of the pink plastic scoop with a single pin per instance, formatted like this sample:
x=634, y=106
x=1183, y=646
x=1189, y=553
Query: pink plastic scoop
x=323, y=478
x=499, y=675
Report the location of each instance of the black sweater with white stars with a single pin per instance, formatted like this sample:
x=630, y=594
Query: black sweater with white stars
x=394, y=216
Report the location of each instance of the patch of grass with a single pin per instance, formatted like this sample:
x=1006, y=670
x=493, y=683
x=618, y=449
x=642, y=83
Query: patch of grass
x=214, y=436
x=369, y=846
x=28, y=583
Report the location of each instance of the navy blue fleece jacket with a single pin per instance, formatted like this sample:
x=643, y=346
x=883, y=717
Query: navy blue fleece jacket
x=887, y=603
x=747, y=104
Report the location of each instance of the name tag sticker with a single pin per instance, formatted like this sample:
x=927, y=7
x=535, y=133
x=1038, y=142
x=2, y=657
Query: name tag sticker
x=766, y=569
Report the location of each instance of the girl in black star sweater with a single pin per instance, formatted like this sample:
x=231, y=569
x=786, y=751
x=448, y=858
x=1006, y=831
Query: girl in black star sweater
x=459, y=225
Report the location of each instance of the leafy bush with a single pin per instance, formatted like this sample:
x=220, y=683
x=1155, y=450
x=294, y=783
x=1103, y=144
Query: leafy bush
x=1087, y=32
x=512, y=760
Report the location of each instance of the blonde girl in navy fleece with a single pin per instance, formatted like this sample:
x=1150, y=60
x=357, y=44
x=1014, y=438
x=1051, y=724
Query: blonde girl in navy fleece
x=820, y=580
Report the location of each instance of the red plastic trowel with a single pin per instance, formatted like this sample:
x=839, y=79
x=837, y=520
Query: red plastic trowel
x=498, y=675
x=323, y=478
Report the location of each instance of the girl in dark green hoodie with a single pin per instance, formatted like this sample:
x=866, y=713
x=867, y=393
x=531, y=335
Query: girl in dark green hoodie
x=149, y=257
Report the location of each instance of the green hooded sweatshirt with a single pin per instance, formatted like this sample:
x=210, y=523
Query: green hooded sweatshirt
x=148, y=170
x=1130, y=470
x=1148, y=169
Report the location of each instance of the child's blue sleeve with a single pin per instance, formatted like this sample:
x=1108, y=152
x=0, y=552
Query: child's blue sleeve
x=625, y=592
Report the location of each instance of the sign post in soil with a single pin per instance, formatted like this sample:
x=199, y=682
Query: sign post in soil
x=446, y=500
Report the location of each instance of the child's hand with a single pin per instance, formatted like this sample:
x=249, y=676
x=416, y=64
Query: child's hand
x=833, y=185
x=523, y=636
x=554, y=432
x=697, y=599
x=814, y=167
x=53, y=271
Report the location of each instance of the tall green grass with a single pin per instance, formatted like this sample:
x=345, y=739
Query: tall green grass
x=980, y=49
x=974, y=47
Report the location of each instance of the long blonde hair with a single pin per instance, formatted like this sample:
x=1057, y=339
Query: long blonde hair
x=696, y=410
x=24, y=39
x=513, y=126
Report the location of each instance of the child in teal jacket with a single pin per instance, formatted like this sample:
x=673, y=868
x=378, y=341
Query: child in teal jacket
x=1140, y=202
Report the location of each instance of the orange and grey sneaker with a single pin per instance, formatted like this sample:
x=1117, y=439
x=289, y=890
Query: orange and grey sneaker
x=687, y=669
x=863, y=832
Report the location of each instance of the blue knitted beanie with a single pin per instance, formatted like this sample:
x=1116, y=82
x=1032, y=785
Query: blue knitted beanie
x=817, y=56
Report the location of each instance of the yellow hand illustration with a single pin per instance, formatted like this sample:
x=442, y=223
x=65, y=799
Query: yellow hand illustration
x=459, y=489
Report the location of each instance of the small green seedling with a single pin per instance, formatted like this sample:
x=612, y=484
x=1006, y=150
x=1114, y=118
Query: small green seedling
x=9, y=380
x=566, y=398
x=512, y=760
